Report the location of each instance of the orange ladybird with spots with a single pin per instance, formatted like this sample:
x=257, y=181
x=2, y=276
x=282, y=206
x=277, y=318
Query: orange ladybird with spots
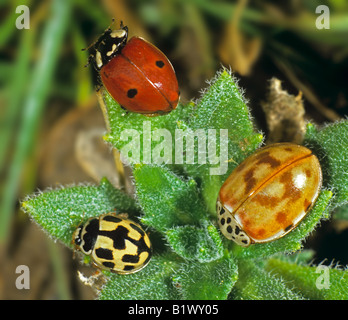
x=268, y=194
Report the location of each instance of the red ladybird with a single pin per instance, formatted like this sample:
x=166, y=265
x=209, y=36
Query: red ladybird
x=135, y=73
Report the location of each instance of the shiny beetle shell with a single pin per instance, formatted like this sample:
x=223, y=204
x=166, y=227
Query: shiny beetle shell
x=268, y=194
x=114, y=243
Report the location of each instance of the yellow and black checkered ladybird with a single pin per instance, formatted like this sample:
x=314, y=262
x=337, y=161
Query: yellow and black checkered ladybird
x=115, y=243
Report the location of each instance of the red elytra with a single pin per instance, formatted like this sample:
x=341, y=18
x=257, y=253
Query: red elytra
x=141, y=78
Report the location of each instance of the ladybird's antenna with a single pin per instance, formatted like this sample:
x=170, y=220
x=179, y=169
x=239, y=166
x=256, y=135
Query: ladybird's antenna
x=91, y=45
x=112, y=22
x=106, y=30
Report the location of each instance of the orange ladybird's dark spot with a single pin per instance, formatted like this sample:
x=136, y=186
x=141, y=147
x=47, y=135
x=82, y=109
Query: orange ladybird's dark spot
x=281, y=217
x=267, y=159
x=260, y=233
x=286, y=177
x=288, y=149
x=290, y=191
x=250, y=181
x=308, y=173
x=266, y=200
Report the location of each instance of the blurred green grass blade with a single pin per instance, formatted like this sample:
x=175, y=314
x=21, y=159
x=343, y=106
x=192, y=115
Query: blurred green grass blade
x=8, y=23
x=16, y=92
x=52, y=39
x=82, y=74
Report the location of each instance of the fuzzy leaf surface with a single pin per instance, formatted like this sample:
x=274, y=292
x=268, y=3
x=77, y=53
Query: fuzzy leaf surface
x=331, y=144
x=60, y=211
x=222, y=108
x=196, y=243
x=255, y=283
x=206, y=281
x=166, y=199
x=315, y=282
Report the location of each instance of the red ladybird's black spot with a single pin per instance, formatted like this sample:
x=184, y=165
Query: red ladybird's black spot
x=159, y=63
x=131, y=93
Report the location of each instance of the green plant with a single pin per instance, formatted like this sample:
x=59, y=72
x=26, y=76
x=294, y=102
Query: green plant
x=176, y=202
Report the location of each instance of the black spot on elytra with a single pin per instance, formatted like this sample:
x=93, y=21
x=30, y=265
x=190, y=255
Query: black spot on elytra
x=91, y=234
x=159, y=63
x=128, y=268
x=104, y=253
x=222, y=221
x=229, y=229
x=121, y=234
x=130, y=258
x=131, y=93
x=112, y=218
x=136, y=228
x=108, y=264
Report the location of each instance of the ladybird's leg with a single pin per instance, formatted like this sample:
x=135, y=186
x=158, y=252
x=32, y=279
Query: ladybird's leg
x=92, y=280
x=90, y=57
x=99, y=83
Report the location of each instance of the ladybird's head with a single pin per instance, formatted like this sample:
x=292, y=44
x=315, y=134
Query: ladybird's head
x=85, y=236
x=76, y=238
x=108, y=45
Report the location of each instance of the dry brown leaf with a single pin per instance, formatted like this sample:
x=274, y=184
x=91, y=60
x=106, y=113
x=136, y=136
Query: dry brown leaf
x=284, y=114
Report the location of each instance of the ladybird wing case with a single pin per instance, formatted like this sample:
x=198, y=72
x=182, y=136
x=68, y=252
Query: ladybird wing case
x=255, y=170
x=155, y=66
x=270, y=192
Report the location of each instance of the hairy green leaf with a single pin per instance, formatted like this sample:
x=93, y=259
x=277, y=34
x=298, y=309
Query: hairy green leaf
x=314, y=282
x=206, y=281
x=331, y=145
x=60, y=211
x=166, y=199
x=254, y=283
x=223, y=113
x=196, y=243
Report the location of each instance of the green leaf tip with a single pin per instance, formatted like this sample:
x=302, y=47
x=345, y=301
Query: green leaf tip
x=330, y=143
x=314, y=282
x=60, y=211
